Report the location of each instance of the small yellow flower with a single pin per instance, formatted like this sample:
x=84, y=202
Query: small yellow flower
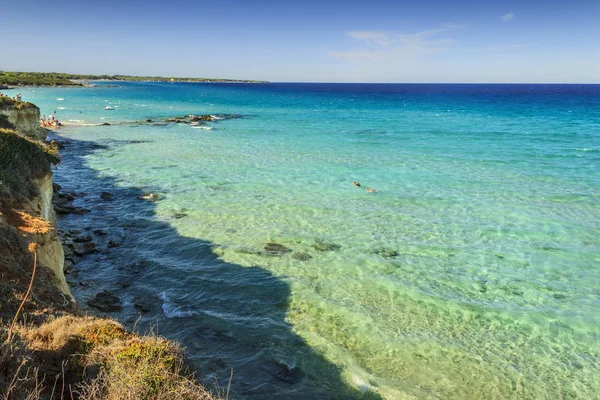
x=32, y=247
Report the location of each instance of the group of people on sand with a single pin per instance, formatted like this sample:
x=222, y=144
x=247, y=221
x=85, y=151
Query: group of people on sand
x=368, y=188
x=49, y=122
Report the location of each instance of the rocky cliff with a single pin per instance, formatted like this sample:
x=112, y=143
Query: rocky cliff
x=46, y=348
x=23, y=117
x=26, y=199
x=49, y=251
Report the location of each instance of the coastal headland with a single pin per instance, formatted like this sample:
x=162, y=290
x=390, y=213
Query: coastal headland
x=48, y=349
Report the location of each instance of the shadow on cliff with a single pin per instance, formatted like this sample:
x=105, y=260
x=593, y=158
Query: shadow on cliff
x=227, y=316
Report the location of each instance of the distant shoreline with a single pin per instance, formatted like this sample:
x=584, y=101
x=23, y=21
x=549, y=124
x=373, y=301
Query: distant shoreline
x=11, y=80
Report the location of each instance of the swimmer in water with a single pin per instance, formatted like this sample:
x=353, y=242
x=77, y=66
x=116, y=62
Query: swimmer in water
x=371, y=190
x=356, y=184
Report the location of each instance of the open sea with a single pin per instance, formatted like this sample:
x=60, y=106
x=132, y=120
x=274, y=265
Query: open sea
x=474, y=272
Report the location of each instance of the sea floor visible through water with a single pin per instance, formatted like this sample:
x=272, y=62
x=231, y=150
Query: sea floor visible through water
x=473, y=273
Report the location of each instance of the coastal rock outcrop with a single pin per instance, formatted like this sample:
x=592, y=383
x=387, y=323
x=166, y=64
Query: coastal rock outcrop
x=24, y=117
x=106, y=301
x=26, y=200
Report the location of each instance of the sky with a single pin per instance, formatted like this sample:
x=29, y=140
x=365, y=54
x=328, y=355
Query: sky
x=504, y=41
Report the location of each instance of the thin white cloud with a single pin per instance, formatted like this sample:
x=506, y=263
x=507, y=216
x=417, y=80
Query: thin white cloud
x=374, y=38
x=507, y=17
x=377, y=45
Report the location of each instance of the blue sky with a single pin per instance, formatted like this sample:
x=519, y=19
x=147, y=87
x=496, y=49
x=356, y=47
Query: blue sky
x=306, y=40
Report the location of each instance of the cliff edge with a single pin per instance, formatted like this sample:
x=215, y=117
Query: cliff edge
x=21, y=116
x=48, y=350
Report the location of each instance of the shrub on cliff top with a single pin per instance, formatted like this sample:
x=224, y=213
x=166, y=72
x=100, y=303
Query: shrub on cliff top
x=21, y=161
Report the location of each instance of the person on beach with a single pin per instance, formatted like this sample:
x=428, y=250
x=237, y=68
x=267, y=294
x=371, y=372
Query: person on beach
x=18, y=96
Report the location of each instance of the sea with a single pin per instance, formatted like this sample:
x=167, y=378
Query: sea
x=466, y=265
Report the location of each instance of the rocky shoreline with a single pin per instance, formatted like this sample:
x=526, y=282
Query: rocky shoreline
x=49, y=342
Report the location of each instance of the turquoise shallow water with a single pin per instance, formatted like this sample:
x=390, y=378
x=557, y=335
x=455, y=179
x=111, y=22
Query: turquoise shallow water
x=473, y=273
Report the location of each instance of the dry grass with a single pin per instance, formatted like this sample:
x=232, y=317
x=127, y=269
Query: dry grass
x=91, y=359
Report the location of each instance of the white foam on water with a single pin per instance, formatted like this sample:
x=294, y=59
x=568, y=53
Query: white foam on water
x=173, y=311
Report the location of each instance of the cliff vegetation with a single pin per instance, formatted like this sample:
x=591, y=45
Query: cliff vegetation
x=47, y=349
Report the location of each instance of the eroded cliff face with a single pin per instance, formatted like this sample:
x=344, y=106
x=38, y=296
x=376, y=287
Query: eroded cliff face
x=25, y=120
x=49, y=251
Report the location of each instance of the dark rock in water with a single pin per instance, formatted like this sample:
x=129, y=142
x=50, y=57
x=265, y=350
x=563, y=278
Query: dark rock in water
x=194, y=119
x=56, y=187
x=65, y=209
x=84, y=248
x=59, y=201
x=62, y=144
x=143, y=305
x=106, y=301
x=283, y=372
x=100, y=232
x=124, y=283
x=179, y=215
x=106, y=196
x=113, y=243
x=82, y=239
x=324, y=246
x=386, y=253
x=105, y=124
x=59, y=198
x=148, y=120
x=276, y=249
x=302, y=256
x=137, y=267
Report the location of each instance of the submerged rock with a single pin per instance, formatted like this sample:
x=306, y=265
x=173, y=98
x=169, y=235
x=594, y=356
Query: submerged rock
x=283, y=372
x=113, y=243
x=324, y=246
x=276, y=249
x=108, y=196
x=249, y=251
x=106, y=301
x=66, y=209
x=124, y=283
x=386, y=253
x=180, y=214
x=84, y=248
x=143, y=305
x=82, y=239
x=302, y=256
